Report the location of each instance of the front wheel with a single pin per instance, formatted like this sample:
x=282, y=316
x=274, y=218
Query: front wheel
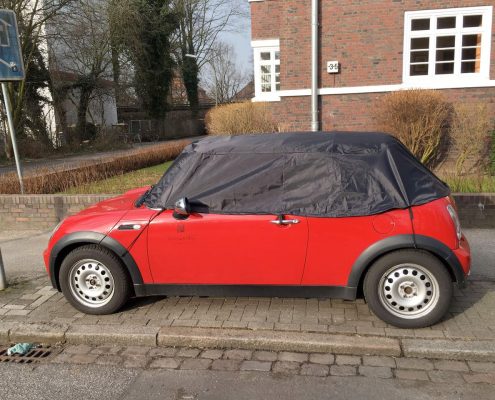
x=94, y=280
x=408, y=289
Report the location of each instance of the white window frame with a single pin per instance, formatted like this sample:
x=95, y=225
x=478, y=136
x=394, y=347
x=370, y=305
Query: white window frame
x=261, y=46
x=459, y=78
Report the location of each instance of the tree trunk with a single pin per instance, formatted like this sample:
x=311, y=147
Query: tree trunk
x=116, y=72
x=190, y=73
x=82, y=111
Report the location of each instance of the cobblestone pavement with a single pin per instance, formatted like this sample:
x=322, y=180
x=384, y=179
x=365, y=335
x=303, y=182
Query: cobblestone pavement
x=280, y=363
x=471, y=316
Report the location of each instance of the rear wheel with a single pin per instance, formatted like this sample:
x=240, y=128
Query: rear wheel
x=408, y=289
x=94, y=280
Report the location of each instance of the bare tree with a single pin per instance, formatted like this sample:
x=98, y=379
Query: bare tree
x=223, y=78
x=27, y=97
x=200, y=24
x=80, y=48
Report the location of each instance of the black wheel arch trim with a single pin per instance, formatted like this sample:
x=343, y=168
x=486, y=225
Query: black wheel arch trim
x=101, y=239
x=399, y=242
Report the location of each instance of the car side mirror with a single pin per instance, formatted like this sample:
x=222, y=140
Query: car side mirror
x=182, y=209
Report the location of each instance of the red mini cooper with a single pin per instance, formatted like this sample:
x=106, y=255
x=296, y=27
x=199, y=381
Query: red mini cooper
x=293, y=214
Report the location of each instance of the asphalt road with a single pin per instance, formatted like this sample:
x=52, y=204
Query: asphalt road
x=88, y=382
x=22, y=253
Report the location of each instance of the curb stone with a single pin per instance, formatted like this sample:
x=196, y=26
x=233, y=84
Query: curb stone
x=450, y=350
x=267, y=341
x=46, y=333
x=5, y=328
x=115, y=334
x=278, y=341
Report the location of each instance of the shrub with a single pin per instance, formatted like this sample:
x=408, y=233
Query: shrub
x=469, y=134
x=33, y=148
x=53, y=181
x=418, y=118
x=109, y=139
x=240, y=118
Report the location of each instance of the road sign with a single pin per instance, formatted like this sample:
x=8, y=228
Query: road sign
x=11, y=69
x=11, y=64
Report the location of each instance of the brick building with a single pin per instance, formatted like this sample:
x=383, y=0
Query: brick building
x=379, y=46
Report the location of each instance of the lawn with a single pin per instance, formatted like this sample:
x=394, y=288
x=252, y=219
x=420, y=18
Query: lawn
x=149, y=176
x=481, y=184
x=121, y=183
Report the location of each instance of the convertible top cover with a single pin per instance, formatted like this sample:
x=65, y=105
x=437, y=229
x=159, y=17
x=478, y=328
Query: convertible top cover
x=338, y=174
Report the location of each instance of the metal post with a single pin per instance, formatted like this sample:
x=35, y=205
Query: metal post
x=315, y=125
x=3, y=279
x=8, y=110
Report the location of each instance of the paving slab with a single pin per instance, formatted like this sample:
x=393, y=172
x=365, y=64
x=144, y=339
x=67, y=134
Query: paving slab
x=275, y=341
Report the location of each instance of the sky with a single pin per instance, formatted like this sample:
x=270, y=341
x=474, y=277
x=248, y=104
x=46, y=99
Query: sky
x=241, y=40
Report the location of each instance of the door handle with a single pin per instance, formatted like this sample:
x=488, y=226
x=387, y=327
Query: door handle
x=285, y=222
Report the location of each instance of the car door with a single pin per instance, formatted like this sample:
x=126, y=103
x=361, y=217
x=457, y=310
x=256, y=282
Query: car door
x=336, y=243
x=227, y=249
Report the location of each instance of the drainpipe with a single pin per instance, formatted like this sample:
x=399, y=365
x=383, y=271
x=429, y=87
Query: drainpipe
x=315, y=126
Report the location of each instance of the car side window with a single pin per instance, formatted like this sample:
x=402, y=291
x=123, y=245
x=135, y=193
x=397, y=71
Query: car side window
x=336, y=185
x=228, y=183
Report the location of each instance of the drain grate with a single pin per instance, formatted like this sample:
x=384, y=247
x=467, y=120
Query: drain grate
x=36, y=355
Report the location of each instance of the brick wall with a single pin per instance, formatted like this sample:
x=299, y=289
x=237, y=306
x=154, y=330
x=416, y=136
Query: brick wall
x=476, y=210
x=366, y=37
x=40, y=212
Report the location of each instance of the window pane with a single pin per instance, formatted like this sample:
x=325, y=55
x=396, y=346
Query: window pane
x=418, y=69
x=420, y=43
x=472, y=21
x=470, y=67
x=445, y=55
x=471, y=40
x=266, y=87
x=445, y=41
x=277, y=55
x=471, y=53
x=266, y=78
x=444, y=68
x=446, y=23
x=277, y=77
x=265, y=56
x=419, y=56
x=420, y=24
x=266, y=69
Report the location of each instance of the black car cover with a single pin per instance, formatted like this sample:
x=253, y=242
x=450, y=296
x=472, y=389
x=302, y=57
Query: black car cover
x=339, y=174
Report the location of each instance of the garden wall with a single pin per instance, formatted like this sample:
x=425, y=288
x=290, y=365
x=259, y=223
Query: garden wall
x=40, y=212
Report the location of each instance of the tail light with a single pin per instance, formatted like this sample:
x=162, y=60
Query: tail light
x=455, y=220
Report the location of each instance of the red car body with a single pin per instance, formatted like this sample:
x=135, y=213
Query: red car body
x=166, y=255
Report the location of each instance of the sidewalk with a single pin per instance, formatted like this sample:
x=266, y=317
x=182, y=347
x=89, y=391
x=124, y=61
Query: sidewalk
x=74, y=161
x=33, y=311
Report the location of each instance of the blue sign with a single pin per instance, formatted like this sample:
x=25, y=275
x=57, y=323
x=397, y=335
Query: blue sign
x=11, y=63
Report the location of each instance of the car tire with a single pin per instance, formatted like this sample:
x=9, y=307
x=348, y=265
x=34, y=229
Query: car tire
x=408, y=289
x=94, y=280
